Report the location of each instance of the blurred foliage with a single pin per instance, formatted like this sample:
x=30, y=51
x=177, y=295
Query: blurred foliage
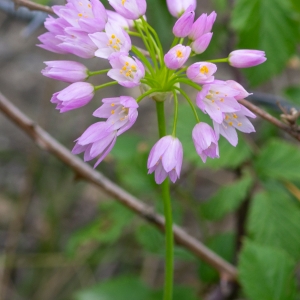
x=77, y=243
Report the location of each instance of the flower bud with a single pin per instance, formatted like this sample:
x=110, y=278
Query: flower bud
x=201, y=44
x=178, y=7
x=246, y=58
x=177, y=56
x=184, y=24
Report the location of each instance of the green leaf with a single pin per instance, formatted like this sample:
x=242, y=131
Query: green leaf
x=222, y=244
x=130, y=287
x=274, y=220
x=279, y=160
x=261, y=24
x=266, y=273
x=122, y=288
x=227, y=199
x=107, y=228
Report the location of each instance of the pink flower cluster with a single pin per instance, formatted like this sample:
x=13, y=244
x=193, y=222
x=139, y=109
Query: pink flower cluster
x=86, y=29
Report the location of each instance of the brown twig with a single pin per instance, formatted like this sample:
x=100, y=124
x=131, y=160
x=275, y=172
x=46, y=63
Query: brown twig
x=263, y=114
x=84, y=171
x=33, y=6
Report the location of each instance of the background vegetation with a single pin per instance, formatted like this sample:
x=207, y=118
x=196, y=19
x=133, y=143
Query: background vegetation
x=60, y=238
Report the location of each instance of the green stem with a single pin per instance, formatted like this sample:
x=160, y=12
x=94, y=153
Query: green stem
x=184, y=94
x=133, y=33
x=175, y=113
x=141, y=97
x=140, y=55
x=169, y=263
x=93, y=73
x=98, y=87
x=218, y=60
x=169, y=259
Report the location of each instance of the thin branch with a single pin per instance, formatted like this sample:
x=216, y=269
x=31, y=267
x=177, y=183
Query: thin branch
x=33, y=6
x=84, y=171
x=263, y=114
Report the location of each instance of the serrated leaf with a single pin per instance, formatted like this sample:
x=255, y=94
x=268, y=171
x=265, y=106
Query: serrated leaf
x=274, y=220
x=227, y=199
x=260, y=24
x=222, y=244
x=266, y=273
x=279, y=160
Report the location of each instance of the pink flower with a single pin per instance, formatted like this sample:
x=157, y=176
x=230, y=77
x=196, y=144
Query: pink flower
x=201, y=43
x=117, y=19
x=74, y=96
x=178, y=7
x=51, y=43
x=183, y=25
x=165, y=159
x=233, y=121
x=242, y=92
x=77, y=42
x=127, y=71
x=65, y=70
x=120, y=112
x=217, y=98
x=201, y=72
x=89, y=16
x=246, y=58
x=206, y=141
x=129, y=9
x=96, y=141
x=114, y=39
x=202, y=25
x=177, y=56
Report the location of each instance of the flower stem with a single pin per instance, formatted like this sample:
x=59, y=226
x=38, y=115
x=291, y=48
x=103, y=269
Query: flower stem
x=98, y=87
x=169, y=259
x=93, y=73
x=218, y=60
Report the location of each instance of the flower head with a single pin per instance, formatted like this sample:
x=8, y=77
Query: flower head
x=65, y=70
x=96, y=141
x=217, y=98
x=177, y=56
x=201, y=72
x=117, y=19
x=114, y=39
x=178, y=7
x=126, y=70
x=201, y=43
x=74, y=96
x=129, y=9
x=89, y=16
x=246, y=58
x=233, y=121
x=202, y=25
x=120, y=112
x=205, y=141
x=165, y=159
x=183, y=25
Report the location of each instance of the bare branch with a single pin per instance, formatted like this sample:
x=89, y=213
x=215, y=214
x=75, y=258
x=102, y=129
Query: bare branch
x=84, y=171
x=33, y=6
x=263, y=114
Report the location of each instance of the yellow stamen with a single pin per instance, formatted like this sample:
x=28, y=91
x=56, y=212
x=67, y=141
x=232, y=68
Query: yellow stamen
x=80, y=15
x=204, y=69
x=230, y=123
x=123, y=2
x=179, y=54
x=239, y=124
x=112, y=104
x=235, y=116
x=112, y=112
x=113, y=36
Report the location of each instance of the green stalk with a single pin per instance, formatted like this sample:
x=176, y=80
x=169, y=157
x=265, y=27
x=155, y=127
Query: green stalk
x=169, y=259
x=141, y=97
x=93, y=73
x=218, y=60
x=98, y=87
x=175, y=113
